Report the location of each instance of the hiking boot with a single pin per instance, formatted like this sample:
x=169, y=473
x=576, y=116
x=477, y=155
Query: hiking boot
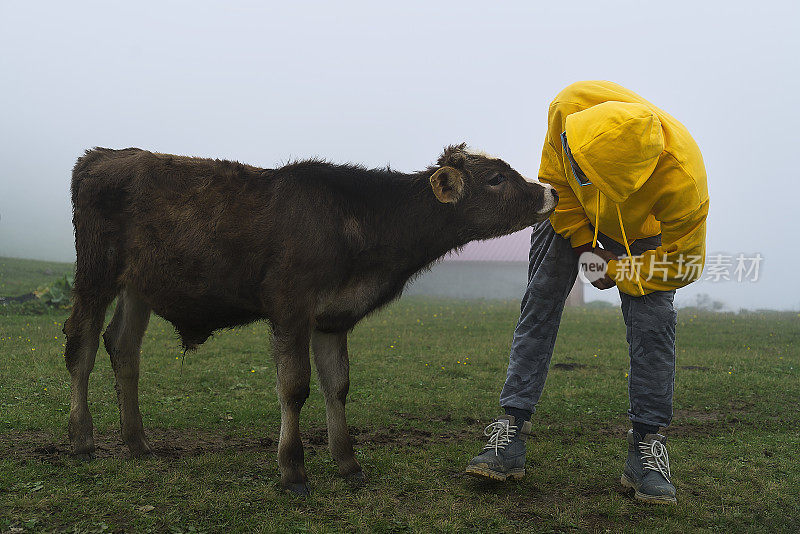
x=647, y=469
x=503, y=457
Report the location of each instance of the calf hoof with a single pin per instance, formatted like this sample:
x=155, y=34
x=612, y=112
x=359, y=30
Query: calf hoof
x=141, y=453
x=356, y=479
x=81, y=436
x=83, y=449
x=139, y=447
x=299, y=489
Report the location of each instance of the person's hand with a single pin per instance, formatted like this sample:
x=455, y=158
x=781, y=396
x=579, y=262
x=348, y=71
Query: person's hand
x=607, y=255
x=606, y=282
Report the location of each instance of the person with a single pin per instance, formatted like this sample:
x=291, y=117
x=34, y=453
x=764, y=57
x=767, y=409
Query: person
x=631, y=177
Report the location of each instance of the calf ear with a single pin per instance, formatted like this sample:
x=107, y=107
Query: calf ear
x=448, y=184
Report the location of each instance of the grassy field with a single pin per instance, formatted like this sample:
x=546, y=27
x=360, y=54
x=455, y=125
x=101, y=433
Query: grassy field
x=18, y=276
x=426, y=375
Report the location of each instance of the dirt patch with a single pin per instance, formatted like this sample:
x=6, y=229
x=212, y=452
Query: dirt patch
x=709, y=416
x=182, y=443
x=685, y=423
x=693, y=423
x=616, y=429
x=166, y=443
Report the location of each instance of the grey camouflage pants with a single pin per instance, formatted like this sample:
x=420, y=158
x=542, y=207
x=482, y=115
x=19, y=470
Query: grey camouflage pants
x=650, y=321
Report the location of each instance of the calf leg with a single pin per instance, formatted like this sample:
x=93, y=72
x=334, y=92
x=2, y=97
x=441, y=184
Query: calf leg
x=294, y=374
x=333, y=368
x=82, y=329
x=123, y=341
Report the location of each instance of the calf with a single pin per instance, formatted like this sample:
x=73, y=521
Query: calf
x=311, y=247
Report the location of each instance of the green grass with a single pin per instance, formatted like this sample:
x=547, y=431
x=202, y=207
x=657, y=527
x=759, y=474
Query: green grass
x=18, y=276
x=426, y=375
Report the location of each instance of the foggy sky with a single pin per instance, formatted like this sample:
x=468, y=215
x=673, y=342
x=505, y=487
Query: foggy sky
x=393, y=83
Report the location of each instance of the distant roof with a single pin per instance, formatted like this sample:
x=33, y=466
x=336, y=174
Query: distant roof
x=514, y=247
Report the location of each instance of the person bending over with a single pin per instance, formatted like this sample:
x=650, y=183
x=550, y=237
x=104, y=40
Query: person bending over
x=630, y=177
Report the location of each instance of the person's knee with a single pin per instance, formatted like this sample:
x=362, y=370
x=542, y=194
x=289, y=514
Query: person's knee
x=654, y=311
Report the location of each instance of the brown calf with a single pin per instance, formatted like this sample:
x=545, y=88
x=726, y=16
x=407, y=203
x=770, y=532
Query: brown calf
x=311, y=247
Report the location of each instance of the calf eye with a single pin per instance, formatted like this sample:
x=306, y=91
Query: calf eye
x=497, y=179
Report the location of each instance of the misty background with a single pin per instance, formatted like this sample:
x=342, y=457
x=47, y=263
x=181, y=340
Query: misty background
x=393, y=83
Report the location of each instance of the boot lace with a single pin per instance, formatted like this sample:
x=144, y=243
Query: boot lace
x=655, y=457
x=500, y=434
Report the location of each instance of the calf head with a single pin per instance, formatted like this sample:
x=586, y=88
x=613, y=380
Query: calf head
x=490, y=197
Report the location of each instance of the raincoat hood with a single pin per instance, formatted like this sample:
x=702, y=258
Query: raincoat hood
x=639, y=174
x=617, y=145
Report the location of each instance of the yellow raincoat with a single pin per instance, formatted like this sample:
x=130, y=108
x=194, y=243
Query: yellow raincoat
x=647, y=178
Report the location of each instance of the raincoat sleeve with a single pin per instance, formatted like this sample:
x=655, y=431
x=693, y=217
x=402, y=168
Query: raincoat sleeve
x=679, y=260
x=569, y=219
